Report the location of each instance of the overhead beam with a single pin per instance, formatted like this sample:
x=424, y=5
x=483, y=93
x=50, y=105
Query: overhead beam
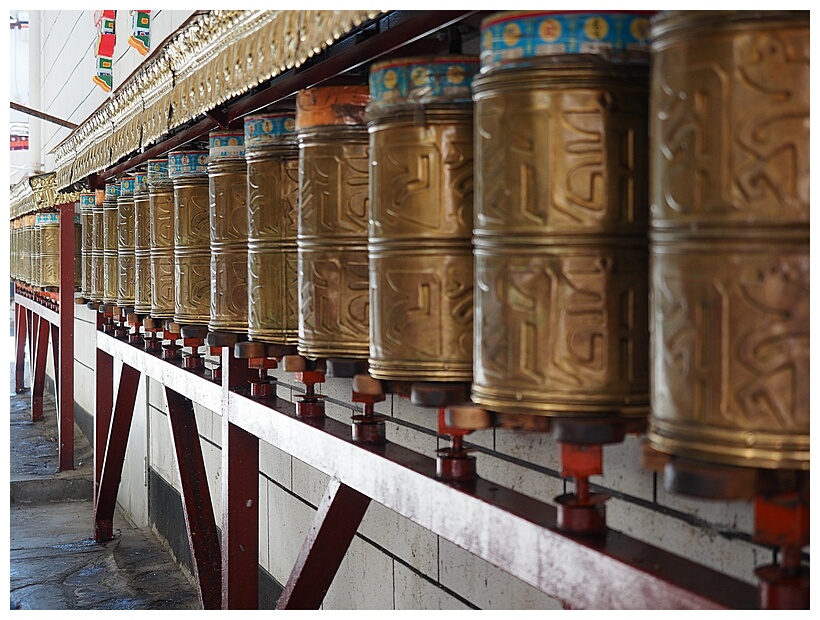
x=42, y=115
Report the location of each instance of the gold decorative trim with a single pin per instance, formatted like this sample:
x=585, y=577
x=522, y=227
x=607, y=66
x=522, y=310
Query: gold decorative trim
x=218, y=55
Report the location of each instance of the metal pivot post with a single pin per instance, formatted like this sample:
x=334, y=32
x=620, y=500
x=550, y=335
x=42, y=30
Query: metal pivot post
x=309, y=372
x=153, y=334
x=171, y=350
x=135, y=336
x=193, y=337
x=368, y=427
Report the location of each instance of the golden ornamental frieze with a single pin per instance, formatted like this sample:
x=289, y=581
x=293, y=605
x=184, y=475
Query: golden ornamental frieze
x=217, y=56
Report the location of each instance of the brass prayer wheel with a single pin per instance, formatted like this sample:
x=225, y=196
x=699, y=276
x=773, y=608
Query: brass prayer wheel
x=48, y=235
x=31, y=251
x=142, y=244
x=228, y=189
x=37, y=253
x=111, y=271
x=420, y=121
x=161, y=207
x=192, y=242
x=125, y=243
x=96, y=249
x=333, y=211
x=561, y=258
x=272, y=155
x=729, y=237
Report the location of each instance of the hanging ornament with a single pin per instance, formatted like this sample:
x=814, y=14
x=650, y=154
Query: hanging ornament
x=105, y=21
x=140, y=38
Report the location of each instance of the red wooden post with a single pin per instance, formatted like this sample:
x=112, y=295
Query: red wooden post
x=337, y=519
x=115, y=453
x=65, y=373
x=20, y=332
x=38, y=368
x=203, y=540
x=55, y=358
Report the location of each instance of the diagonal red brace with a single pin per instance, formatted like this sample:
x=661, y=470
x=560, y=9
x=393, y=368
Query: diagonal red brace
x=20, y=332
x=203, y=540
x=115, y=454
x=38, y=368
x=337, y=519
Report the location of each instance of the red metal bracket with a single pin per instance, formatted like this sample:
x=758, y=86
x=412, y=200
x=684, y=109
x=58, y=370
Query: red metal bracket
x=206, y=557
x=20, y=333
x=103, y=404
x=38, y=368
x=337, y=519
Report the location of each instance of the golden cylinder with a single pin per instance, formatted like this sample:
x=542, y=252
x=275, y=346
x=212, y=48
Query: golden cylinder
x=48, y=234
x=421, y=219
x=192, y=242
x=272, y=155
x=561, y=325
x=730, y=237
x=126, y=260
x=142, y=244
x=37, y=254
x=228, y=190
x=111, y=270
x=97, y=250
x=332, y=237
x=29, y=249
x=161, y=208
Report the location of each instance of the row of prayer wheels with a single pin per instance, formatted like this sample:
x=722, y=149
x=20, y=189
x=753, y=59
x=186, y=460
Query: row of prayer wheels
x=34, y=250
x=583, y=236
x=507, y=222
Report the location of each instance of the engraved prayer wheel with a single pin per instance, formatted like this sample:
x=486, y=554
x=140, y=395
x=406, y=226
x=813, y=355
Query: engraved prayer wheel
x=272, y=155
x=561, y=258
x=142, y=244
x=420, y=120
x=333, y=211
x=729, y=234
x=37, y=253
x=228, y=189
x=48, y=235
x=192, y=242
x=161, y=207
x=32, y=248
x=97, y=249
x=111, y=271
x=125, y=243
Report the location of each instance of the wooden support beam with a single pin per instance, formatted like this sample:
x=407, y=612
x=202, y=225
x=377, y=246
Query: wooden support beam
x=203, y=539
x=115, y=453
x=337, y=519
x=64, y=339
x=20, y=332
x=240, y=517
x=38, y=368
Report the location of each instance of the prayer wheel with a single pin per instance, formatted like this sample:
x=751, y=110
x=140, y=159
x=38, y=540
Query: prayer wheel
x=48, y=236
x=142, y=244
x=161, y=208
x=125, y=243
x=192, y=242
x=111, y=270
x=561, y=258
x=332, y=227
x=272, y=155
x=420, y=120
x=729, y=234
x=97, y=258
x=228, y=189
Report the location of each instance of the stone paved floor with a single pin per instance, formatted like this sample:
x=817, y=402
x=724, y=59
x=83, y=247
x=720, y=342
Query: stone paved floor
x=54, y=561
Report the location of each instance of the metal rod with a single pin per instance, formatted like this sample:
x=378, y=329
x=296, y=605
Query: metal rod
x=115, y=454
x=240, y=518
x=46, y=117
x=203, y=538
x=338, y=517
